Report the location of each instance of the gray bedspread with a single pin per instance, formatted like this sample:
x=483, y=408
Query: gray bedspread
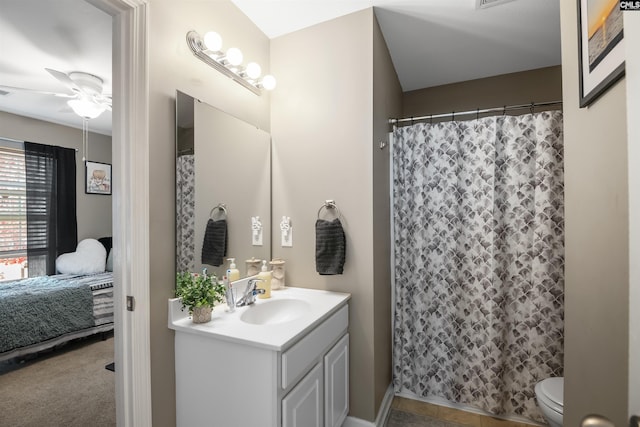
x=40, y=308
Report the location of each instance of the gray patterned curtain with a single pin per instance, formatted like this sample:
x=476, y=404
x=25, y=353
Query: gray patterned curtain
x=185, y=213
x=479, y=260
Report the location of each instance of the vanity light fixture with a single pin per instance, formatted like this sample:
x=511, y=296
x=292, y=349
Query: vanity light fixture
x=209, y=50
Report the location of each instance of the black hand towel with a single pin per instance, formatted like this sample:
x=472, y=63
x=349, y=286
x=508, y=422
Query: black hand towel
x=214, y=246
x=331, y=246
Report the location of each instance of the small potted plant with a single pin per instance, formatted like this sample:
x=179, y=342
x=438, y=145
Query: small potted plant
x=199, y=293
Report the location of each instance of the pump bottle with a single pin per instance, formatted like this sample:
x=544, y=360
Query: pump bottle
x=265, y=283
x=233, y=273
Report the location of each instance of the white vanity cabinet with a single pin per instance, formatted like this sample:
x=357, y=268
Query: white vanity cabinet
x=230, y=380
x=321, y=398
x=304, y=405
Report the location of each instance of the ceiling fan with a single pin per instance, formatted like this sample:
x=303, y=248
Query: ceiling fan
x=86, y=99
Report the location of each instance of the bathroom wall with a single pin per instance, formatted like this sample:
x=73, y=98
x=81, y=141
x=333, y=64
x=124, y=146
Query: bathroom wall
x=540, y=85
x=597, y=263
x=632, y=61
x=387, y=102
x=173, y=67
x=323, y=138
x=93, y=210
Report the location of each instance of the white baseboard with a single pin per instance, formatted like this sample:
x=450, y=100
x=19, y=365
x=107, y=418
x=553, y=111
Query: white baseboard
x=383, y=413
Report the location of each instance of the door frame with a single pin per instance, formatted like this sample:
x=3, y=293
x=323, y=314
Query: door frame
x=130, y=158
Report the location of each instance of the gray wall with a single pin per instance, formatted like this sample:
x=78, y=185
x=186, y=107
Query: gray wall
x=322, y=133
x=597, y=266
x=387, y=102
x=632, y=64
x=334, y=78
x=173, y=67
x=93, y=210
x=540, y=85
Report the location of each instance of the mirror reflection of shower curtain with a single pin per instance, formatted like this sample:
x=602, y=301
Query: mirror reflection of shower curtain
x=185, y=211
x=479, y=260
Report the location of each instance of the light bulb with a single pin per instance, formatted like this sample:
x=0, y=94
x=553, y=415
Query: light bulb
x=86, y=108
x=213, y=41
x=269, y=82
x=234, y=56
x=253, y=70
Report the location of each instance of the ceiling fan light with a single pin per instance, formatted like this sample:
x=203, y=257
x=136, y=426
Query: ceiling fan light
x=85, y=108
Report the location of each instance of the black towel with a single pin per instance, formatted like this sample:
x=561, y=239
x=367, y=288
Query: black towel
x=331, y=247
x=214, y=246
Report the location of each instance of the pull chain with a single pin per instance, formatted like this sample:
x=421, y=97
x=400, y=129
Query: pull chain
x=85, y=139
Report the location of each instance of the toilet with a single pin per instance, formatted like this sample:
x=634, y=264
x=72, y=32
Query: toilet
x=549, y=398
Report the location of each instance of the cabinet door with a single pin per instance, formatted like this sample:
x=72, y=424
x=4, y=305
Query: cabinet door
x=336, y=383
x=303, y=406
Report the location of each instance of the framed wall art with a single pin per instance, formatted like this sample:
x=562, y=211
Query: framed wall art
x=97, y=178
x=601, y=45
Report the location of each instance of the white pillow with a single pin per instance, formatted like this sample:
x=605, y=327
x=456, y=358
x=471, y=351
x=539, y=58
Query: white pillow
x=110, y=261
x=89, y=258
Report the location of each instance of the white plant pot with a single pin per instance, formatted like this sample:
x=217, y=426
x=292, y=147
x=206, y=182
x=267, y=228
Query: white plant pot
x=201, y=314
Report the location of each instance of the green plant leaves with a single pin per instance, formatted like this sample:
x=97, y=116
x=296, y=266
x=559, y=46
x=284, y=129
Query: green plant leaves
x=197, y=290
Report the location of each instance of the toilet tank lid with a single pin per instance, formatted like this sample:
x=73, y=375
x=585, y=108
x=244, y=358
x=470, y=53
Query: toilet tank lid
x=553, y=388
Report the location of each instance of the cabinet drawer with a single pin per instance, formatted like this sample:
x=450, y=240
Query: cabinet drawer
x=299, y=358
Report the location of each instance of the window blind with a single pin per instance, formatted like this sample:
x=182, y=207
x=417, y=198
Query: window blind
x=13, y=200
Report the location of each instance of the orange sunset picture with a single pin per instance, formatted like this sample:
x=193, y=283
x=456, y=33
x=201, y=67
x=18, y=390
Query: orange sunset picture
x=604, y=28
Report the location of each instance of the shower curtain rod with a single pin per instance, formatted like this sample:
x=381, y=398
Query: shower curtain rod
x=477, y=112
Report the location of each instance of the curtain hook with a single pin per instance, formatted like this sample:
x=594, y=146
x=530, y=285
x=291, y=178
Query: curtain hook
x=478, y=113
x=430, y=119
x=504, y=110
x=453, y=115
x=532, y=107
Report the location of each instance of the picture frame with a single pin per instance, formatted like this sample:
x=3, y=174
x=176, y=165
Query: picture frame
x=601, y=48
x=98, y=178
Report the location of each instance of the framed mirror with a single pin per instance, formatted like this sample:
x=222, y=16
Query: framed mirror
x=223, y=189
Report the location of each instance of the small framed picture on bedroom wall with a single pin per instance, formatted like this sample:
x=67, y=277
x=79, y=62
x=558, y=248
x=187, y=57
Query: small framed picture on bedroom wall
x=601, y=45
x=98, y=178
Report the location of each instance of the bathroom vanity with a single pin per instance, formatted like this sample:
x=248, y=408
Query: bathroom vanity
x=282, y=361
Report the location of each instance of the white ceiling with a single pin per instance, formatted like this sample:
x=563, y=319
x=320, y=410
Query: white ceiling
x=432, y=42
x=435, y=42
x=65, y=35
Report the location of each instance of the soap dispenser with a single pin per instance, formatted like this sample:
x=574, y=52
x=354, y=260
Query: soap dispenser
x=265, y=281
x=233, y=273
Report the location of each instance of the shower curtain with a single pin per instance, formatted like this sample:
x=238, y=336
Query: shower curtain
x=479, y=260
x=185, y=213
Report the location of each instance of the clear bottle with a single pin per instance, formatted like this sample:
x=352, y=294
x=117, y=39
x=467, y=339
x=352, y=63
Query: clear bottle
x=230, y=296
x=233, y=273
x=265, y=283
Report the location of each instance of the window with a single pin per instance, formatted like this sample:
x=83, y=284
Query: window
x=13, y=211
x=37, y=207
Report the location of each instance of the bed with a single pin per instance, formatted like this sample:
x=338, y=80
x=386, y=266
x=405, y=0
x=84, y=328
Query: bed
x=42, y=312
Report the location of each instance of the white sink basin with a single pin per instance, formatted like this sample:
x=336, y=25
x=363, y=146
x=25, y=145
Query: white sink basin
x=275, y=311
x=275, y=323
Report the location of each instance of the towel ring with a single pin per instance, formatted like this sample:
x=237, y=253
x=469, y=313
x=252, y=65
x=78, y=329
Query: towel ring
x=329, y=204
x=221, y=207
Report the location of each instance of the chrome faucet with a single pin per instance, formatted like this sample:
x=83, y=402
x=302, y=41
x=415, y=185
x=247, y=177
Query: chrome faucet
x=249, y=296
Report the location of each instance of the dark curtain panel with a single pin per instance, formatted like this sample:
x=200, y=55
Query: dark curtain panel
x=51, y=205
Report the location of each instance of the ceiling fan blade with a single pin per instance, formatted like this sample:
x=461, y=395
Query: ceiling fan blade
x=40, y=92
x=64, y=79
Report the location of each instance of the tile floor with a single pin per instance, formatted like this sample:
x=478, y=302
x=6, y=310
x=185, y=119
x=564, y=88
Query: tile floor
x=413, y=413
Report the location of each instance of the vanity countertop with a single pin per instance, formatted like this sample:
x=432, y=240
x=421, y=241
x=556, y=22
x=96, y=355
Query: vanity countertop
x=316, y=306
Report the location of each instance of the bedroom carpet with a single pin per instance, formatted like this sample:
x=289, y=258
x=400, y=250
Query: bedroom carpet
x=66, y=387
